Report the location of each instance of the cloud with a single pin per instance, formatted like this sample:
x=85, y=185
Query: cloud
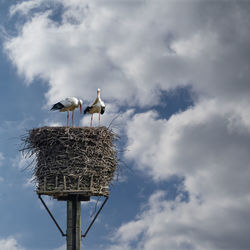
x=1, y=158
x=25, y=7
x=208, y=136
x=180, y=225
x=124, y=49
x=83, y=65
x=23, y=161
x=10, y=244
x=207, y=145
x=63, y=247
x=51, y=123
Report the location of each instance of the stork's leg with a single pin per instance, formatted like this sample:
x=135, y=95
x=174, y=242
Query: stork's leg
x=99, y=119
x=91, y=120
x=73, y=118
x=67, y=118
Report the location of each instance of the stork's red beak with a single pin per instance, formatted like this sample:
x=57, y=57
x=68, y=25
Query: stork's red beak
x=80, y=108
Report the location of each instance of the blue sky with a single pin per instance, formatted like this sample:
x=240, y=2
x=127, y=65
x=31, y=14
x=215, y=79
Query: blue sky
x=177, y=74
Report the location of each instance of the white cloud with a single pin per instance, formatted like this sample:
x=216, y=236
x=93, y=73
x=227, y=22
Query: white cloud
x=25, y=7
x=1, y=158
x=132, y=55
x=179, y=225
x=23, y=161
x=190, y=48
x=10, y=244
x=210, y=136
x=53, y=123
x=63, y=247
x=208, y=146
x=82, y=65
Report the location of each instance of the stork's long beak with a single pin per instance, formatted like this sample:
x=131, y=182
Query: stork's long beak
x=80, y=108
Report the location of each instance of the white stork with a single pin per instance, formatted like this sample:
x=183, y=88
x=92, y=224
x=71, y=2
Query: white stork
x=98, y=106
x=68, y=104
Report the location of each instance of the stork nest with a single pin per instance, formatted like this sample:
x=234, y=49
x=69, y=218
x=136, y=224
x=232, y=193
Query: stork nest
x=79, y=160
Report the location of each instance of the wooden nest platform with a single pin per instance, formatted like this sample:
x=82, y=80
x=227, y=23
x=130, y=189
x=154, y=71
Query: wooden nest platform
x=72, y=160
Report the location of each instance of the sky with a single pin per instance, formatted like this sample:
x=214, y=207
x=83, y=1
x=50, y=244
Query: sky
x=175, y=75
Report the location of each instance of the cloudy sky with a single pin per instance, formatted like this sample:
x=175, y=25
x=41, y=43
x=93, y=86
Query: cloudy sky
x=177, y=76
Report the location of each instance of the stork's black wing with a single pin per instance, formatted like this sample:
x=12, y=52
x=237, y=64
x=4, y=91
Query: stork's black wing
x=57, y=106
x=86, y=110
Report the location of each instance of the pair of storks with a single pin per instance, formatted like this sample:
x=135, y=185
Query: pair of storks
x=71, y=103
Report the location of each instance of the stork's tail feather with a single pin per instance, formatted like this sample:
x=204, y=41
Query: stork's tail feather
x=102, y=110
x=57, y=106
x=86, y=110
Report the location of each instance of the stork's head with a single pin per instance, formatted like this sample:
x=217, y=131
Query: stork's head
x=98, y=92
x=80, y=104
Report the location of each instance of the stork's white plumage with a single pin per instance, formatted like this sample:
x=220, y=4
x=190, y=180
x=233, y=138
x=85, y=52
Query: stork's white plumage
x=68, y=104
x=98, y=106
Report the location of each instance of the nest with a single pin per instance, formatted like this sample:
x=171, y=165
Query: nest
x=69, y=160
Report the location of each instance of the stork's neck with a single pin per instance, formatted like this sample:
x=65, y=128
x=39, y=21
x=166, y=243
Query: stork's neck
x=98, y=94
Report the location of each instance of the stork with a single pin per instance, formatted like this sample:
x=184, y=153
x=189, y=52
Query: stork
x=98, y=106
x=68, y=104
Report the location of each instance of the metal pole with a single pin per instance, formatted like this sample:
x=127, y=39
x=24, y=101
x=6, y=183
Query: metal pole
x=85, y=234
x=52, y=217
x=73, y=223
